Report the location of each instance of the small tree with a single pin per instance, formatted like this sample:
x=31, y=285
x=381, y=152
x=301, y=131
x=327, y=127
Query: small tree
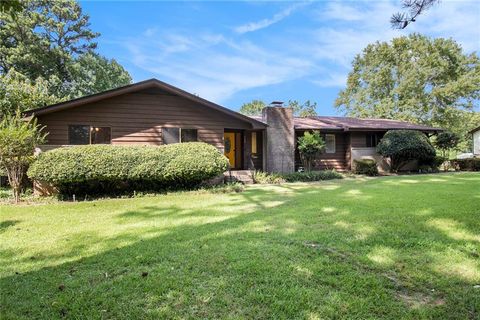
x=447, y=141
x=18, y=139
x=310, y=146
x=402, y=146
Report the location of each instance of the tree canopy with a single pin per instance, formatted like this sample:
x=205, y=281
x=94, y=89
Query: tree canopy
x=306, y=109
x=413, y=78
x=253, y=108
x=51, y=41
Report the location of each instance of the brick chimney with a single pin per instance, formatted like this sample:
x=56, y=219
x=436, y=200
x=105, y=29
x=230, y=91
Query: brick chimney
x=280, y=138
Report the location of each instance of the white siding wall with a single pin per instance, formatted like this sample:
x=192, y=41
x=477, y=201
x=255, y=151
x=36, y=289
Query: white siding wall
x=476, y=142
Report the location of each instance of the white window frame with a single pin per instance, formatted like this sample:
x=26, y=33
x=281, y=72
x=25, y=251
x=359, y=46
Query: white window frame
x=332, y=137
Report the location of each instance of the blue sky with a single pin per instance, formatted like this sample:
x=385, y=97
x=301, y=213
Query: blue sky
x=233, y=52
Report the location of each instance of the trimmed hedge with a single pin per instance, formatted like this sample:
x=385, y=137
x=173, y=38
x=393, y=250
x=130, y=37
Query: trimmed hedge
x=365, y=166
x=277, y=178
x=472, y=164
x=107, y=168
x=402, y=146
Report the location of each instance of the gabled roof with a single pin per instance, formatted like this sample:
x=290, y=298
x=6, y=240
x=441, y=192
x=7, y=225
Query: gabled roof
x=147, y=84
x=355, y=124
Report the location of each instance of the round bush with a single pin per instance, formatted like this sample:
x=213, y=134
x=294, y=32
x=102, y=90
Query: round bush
x=104, y=167
x=402, y=146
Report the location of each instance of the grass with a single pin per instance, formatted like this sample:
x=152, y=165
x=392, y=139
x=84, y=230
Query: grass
x=392, y=247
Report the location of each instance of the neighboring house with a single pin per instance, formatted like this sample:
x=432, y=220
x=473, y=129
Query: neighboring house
x=153, y=112
x=476, y=141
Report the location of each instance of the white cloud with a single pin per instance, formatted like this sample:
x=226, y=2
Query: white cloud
x=264, y=23
x=217, y=66
x=351, y=26
x=211, y=65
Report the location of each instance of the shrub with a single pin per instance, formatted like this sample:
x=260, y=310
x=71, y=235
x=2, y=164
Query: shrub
x=310, y=146
x=312, y=176
x=446, y=141
x=267, y=178
x=402, y=146
x=472, y=164
x=18, y=139
x=277, y=178
x=112, y=169
x=365, y=166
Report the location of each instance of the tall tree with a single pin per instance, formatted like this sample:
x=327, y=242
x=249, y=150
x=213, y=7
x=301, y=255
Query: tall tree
x=92, y=73
x=18, y=93
x=10, y=6
x=253, y=108
x=51, y=41
x=303, y=110
x=43, y=38
x=413, y=78
x=414, y=8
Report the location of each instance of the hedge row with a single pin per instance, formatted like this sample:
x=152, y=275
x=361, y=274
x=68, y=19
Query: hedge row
x=107, y=167
x=365, y=166
x=276, y=178
x=472, y=164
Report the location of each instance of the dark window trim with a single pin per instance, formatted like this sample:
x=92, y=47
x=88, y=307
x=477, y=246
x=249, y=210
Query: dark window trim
x=89, y=133
x=187, y=128
x=179, y=133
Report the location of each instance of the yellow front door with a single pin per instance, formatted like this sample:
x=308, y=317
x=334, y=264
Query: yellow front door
x=229, y=147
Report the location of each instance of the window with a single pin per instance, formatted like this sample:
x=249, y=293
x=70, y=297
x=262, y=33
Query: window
x=373, y=139
x=254, y=143
x=176, y=135
x=330, y=143
x=84, y=134
x=100, y=135
x=189, y=135
x=78, y=134
x=171, y=135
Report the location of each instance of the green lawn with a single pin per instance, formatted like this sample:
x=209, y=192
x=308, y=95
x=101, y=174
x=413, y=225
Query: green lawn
x=396, y=247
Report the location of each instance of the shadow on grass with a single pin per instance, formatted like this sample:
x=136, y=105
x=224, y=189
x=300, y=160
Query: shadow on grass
x=290, y=251
x=7, y=224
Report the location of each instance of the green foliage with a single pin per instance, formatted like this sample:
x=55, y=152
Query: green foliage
x=472, y=164
x=365, y=166
x=402, y=146
x=18, y=93
x=18, y=139
x=261, y=177
x=10, y=6
x=93, y=73
x=107, y=168
x=312, y=176
x=446, y=141
x=307, y=109
x=253, y=108
x=414, y=78
x=51, y=44
x=310, y=146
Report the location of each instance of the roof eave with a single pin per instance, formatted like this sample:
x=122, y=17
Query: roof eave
x=255, y=124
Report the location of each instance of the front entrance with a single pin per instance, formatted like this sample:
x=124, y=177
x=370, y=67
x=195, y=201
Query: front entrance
x=233, y=148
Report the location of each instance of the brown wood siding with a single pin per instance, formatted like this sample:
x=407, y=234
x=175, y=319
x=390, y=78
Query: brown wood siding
x=337, y=160
x=138, y=118
x=358, y=139
x=348, y=151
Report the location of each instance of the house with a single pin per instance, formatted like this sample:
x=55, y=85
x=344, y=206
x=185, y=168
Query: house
x=476, y=141
x=155, y=113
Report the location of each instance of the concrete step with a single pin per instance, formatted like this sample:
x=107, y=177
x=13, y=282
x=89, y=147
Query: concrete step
x=243, y=176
